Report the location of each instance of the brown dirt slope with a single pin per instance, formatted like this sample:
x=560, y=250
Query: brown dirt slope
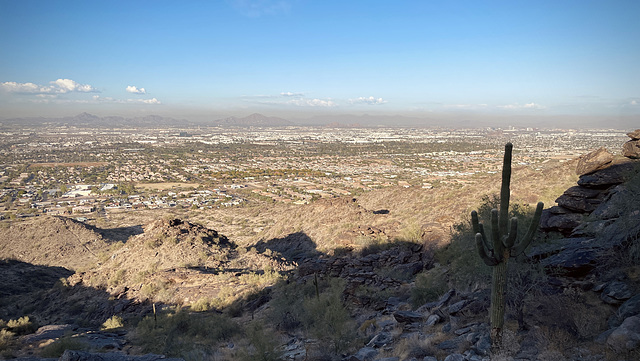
x=52, y=241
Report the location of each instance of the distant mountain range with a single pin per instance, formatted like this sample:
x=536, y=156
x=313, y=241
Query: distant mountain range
x=149, y=121
x=335, y=121
x=255, y=119
x=90, y=121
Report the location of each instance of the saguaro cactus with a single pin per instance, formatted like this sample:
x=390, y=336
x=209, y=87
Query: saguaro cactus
x=502, y=246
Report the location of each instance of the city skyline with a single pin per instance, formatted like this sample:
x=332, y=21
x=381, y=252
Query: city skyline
x=299, y=59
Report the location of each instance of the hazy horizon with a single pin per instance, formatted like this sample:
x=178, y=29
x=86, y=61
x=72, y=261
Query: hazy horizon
x=567, y=64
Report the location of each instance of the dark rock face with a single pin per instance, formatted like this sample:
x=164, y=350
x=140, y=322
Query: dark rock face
x=615, y=293
x=573, y=257
x=605, y=178
x=627, y=336
x=408, y=316
x=598, y=194
x=598, y=159
x=560, y=219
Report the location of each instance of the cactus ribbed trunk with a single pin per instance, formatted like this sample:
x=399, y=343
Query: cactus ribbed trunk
x=496, y=253
x=498, y=302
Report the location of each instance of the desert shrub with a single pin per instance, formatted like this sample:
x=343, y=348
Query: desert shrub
x=412, y=232
x=178, y=332
x=262, y=345
x=203, y=304
x=7, y=340
x=113, y=322
x=525, y=281
x=21, y=326
x=322, y=314
x=327, y=318
x=429, y=286
x=57, y=348
x=117, y=278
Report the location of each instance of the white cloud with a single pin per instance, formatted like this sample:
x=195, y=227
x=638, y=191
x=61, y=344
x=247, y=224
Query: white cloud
x=290, y=94
x=151, y=101
x=367, y=100
x=634, y=102
x=100, y=99
x=13, y=87
x=59, y=86
x=68, y=85
x=135, y=90
x=521, y=106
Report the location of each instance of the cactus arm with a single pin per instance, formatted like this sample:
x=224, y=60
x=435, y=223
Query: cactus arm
x=487, y=245
x=524, y=243
x=480, y=243
x=510, y=239
x=474, y=222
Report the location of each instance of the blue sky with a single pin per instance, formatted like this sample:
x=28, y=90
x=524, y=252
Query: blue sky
x=209, y=58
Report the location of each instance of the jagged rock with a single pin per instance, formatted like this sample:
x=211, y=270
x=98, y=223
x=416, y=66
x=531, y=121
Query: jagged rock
x=580, y=199
x=574, y=257
x=596, y=160
x=454, y=357
x=433, y=319
x=613, y=175
x=634, y=135
x=457, y=307
x=630, y=307
x=365, y=354
x=560, y=219
x=439, y=303
x=48, y=332
x=408, y=316
x=70, y=355
x=429, y=358
x=631, y=149
x=615, y=293
x=621, y=230
x=483, y=345
x=627, y=336
x=451, y=344
x=389, y=359
x=405, y=271
x=380, y=340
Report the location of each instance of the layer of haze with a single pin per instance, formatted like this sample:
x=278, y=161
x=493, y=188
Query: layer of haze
x=534, y=61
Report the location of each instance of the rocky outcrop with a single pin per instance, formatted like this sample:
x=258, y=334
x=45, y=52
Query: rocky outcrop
x=631, y=149
x=594, y=161
x=601, y=176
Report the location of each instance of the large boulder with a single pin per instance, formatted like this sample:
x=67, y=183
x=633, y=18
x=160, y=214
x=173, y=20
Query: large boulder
x=631, y=149
x=574, y=257
x=635, y=135
x=627, y=336
x=560, y=219
x=610, y=176
x=581, y=199
x=591, y=162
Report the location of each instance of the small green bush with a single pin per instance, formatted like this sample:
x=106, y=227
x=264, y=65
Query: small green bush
x=113, y=322
x=429, y=286
x=22, y=326
x=262, y=344
x=57, y=348
x=178, y=332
